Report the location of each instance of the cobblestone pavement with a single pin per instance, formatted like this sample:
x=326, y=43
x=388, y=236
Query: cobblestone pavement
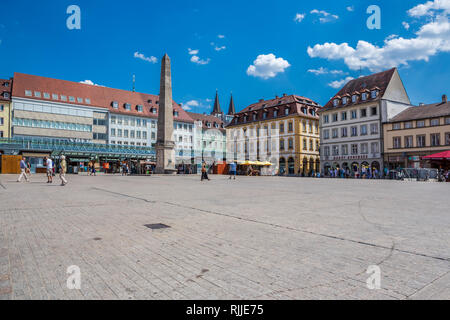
x=253, y=238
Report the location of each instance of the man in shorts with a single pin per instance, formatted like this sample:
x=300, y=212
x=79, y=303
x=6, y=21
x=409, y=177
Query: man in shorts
x=49, y=166
x=233, y=170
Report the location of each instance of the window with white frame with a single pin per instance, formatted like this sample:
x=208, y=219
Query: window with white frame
x=364, y=148
x=374, y=146
x=374, y=128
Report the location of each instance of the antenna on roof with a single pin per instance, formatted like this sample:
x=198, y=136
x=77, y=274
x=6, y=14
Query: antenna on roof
x=134, y=83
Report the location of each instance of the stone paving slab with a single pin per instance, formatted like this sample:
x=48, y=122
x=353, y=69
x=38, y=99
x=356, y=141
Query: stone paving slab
x=253, y=238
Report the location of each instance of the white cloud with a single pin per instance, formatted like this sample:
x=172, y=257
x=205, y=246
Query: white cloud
x=339, y=83
x=405, y=25
x=299, y=17
x=432, y=38
x=325, y=16
x=351, y=8
x=91, y=83
x=267, y=66
x=192, y=51
x=197, y=60
x=192, y=103
x=151, y=59
x=220, y=36
x=323, y=70
x=220, y=48
x=429, y=8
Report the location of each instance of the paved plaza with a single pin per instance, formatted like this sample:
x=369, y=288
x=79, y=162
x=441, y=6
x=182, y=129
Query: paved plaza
x=253, y=238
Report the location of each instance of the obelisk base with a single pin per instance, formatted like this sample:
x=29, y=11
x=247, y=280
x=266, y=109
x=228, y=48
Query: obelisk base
x=165, y=158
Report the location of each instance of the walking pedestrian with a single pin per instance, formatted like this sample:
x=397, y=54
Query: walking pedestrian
x=23, y=170
x=204, y=172
x=233, y=170
x=49, y=166
x=63, y=170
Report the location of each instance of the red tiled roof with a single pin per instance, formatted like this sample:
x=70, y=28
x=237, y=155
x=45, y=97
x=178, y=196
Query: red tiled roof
x=205, y=118
x=296, y=103
x=378, y=81
x=99, y=96
x=4, y=89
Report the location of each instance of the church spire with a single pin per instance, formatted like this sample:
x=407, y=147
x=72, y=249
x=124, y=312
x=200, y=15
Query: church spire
x=231, y=109
x=217, y=109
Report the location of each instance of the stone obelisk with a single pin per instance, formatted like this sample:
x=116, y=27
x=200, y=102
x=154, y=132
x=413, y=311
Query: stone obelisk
x=165, y=146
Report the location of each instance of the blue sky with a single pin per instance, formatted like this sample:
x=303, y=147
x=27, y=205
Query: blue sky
x=255, y=49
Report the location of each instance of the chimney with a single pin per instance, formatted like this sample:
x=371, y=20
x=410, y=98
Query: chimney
x=284, y=94
x=444, y=98
x=261, y=100
x=276, y=97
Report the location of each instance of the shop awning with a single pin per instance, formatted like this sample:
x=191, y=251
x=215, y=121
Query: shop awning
x=438, y=156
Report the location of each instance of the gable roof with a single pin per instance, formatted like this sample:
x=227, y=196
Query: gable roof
x=378, y=81
x=101, y=97
x=433, y=110
x=205, y=118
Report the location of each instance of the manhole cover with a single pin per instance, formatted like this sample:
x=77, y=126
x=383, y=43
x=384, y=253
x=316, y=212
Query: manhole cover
x=156, y=226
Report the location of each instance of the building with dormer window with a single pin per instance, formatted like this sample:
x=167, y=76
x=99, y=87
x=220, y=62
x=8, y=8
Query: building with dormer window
x=283, y=131
x=351, y=122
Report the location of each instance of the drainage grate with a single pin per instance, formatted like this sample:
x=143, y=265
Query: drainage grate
x=156, y=226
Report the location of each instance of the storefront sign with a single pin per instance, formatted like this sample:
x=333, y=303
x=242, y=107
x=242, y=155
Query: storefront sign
x=361, y=157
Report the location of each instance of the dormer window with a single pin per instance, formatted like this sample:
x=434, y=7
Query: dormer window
x=364, y=96
x=149, y=100
x=46, y=95
x=254, y=117
x=354, y=98
x=28, y=93
x=245, y=118
x=115, y=105
x=335, y=102
x=6, y=84
x=175, y=113
x=275, y=113
x=71, y=99
x=208, y=124
x=37, y=94
x=216, y=125
x=80, y=100
x=63, y=98
x=287, y=110
x=374, y=94
x=344, y=100
x=127, y=106
x=6, y=95
x=140, y=108
x=87, y=100
x=153, y=110
x=54, y=96
x=265, y=115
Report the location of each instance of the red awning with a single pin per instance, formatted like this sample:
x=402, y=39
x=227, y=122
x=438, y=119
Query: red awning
x=438, y=156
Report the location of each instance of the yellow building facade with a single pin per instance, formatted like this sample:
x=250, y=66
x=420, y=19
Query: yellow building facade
x=284, y=131
x=5, y=108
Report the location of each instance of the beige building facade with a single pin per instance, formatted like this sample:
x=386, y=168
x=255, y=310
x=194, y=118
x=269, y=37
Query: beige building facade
x=415, y=133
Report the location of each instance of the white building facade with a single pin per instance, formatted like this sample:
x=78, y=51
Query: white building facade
x=351, y=122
